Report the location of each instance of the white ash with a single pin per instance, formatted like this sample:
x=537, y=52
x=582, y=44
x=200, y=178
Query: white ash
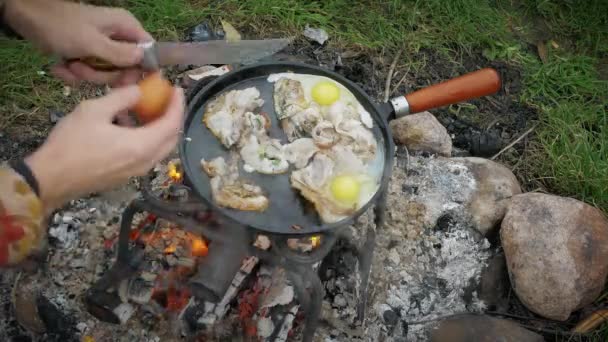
x=423, y=268
x=432, y=283
x=66, y=236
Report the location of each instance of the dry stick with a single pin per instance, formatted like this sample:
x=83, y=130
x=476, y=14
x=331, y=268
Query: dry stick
x=387, y=86
x=514, y=142
x=401, y=80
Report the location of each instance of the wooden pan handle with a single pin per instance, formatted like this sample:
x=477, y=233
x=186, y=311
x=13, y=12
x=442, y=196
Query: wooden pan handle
x=469, y=86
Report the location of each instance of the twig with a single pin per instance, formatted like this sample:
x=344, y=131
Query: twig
x=387, y=86
x=526, y=318
x=401, y=80
x=514, y=142
x=440, y=318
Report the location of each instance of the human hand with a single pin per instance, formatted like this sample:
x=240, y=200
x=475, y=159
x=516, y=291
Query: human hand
x=73, y=30
x=86, y=153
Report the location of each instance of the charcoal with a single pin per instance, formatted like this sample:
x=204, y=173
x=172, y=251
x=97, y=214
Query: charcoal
x=171, y=260
x=140, y=291
x=186, y=262
x=60, y=326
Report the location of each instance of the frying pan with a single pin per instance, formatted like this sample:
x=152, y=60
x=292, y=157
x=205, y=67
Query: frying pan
x=288, y=212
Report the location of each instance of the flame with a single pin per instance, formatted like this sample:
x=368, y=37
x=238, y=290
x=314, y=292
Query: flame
x=173, y=172
x=171, y=249
x=316, y=241
x=199, y=247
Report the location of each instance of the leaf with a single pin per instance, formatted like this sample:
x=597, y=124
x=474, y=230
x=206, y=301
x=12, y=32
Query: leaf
x=232, y=35
x=541, y=47
x=554, y=44
x=591, y=322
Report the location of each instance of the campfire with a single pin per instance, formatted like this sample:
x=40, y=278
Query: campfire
x=185, y=276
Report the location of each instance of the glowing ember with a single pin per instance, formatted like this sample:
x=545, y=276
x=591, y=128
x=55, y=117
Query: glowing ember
x=177, y=299
x=171, y=249
x=175, y=248
x=174, y=173
x=316, y=241
x=199, y=247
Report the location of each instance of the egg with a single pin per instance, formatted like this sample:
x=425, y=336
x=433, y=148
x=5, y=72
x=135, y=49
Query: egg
x=156, y=92
x=345, y=188
x=325, y=93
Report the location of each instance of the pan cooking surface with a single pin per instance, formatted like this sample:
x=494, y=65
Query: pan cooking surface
x=288, y=212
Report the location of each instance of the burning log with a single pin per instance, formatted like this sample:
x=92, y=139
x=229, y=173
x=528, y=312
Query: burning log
x=287, y=324
x=216, y=271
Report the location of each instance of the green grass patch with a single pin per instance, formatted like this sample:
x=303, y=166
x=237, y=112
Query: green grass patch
x=377, y=24
x=23, y=79
x=574, y=153
x=167, y=19
x=585, y=23
x=569, y=78
x=25, y=87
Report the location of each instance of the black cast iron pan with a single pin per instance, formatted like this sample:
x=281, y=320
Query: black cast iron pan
x=288, y=212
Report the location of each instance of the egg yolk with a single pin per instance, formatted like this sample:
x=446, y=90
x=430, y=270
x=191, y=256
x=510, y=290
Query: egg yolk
x=345, y=189
x=325, y=93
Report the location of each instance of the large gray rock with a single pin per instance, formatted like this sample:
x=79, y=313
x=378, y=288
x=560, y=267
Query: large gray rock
x=466, y=328
x=422, y=133
x=557, y=253
x=496, y=185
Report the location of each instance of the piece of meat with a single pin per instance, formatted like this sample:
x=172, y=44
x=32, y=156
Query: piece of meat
x=231, y=192
x=297, y=115
x=324, y=135
x=289, y=98
x=360, y=138
x=345, y=160
x=300, y=124
x=312, y=183
x=264, y=155
x=349, y=110
x=225, y=115
x=239, y=196
x=300, y=151
x=254, y=124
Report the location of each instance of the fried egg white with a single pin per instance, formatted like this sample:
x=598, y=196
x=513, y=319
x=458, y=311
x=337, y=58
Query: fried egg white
x=346, y=100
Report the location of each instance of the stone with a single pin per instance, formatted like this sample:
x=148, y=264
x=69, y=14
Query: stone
x=171, y=260
x=109, y=233
x=422, y=132
x=26, y=308
x=465, y=328
x=496, y=185
x=393, y=257
x=265, y=327
x=339, y=301
x=556, y=250
x=318, y=35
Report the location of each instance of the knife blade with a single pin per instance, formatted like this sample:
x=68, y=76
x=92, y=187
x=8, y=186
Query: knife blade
x=158, y=54
x=217, y=51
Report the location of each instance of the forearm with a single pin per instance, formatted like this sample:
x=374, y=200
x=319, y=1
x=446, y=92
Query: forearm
x=22, y=218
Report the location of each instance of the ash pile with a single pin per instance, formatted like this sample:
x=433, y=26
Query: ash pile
x=418, y=274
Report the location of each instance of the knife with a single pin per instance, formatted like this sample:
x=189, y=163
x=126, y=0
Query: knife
x=158, y=54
